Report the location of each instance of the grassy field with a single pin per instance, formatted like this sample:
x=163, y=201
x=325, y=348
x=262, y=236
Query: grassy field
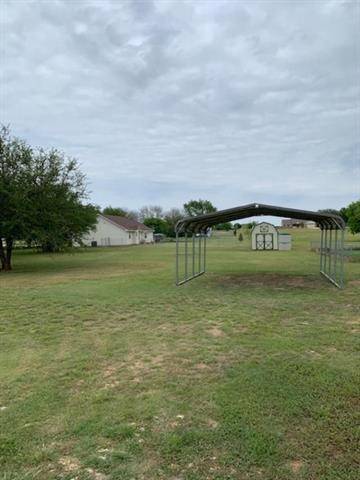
x=108, y=371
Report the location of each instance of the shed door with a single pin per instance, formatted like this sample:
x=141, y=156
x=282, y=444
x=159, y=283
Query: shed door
x=264, y=241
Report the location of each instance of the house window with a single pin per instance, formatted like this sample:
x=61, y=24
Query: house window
x=129, y=235
x=145, y=235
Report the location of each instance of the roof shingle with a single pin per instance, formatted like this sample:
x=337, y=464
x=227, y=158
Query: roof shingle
x=127, y=223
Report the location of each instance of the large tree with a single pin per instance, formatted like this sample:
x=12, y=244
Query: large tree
x=42, y=195
x=198, y=207
x=15, y=165
x=352, y=215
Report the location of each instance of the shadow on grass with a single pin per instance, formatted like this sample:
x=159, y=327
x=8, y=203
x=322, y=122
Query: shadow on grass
x=277, y=281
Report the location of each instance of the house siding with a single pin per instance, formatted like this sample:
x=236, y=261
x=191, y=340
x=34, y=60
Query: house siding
x=108, y=234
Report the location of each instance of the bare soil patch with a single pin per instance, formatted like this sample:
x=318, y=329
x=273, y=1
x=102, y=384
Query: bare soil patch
x=271, y=280
x=69, y=464
x=296, y=465
x=216, y=332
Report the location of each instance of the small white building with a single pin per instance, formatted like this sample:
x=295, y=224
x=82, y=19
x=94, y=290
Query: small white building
x=265, y=236
x=112, y=230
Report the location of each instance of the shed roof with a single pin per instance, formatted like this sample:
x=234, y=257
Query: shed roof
x=202, y=222
x=127, y=223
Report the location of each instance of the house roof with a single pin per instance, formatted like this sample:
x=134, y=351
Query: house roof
x=127, y=223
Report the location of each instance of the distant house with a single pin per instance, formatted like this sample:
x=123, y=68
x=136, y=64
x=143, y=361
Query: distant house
x=294, y=223
x=112, y=230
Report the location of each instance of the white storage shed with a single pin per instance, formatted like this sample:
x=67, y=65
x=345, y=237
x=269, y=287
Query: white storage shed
x=264, y=236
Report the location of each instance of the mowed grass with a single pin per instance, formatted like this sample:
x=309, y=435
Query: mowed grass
x=108, y=371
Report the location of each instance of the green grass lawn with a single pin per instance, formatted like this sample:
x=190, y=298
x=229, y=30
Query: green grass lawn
x=108, y=371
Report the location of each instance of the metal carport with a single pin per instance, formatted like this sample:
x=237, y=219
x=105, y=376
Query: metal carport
x=191, y=234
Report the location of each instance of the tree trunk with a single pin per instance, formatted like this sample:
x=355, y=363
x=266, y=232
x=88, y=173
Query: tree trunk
x=2, y=255
x=5, y=254
x=9, y=248
x=48, y=247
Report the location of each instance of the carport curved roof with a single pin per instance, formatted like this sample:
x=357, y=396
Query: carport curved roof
x=201, y=222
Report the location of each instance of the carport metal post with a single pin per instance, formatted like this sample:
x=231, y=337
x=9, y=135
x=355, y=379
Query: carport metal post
x=177, y=258
x=342, y=274
x=336, y=253
x=199, y=253
x=205, y=253
x=321, y=249
x=325, y=248
x=330, y=251
x=186, y=256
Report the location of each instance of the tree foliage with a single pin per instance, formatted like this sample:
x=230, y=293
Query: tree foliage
x=120, y=212
x=352, y=214
x=15, y=164
x=198, y=207
x=224, y=226
x=159, y=225
x=154, y=217
x=41, y=198
x=171, y=218
x=343, y=213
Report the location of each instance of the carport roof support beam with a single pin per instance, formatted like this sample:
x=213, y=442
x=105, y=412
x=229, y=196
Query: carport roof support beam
x=202, y=222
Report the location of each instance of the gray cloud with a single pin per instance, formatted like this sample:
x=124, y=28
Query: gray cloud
x=166, y=100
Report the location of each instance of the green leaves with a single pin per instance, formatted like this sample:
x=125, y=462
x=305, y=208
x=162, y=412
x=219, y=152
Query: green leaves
x=41, y=196
x=198, y=207
x=352, y=214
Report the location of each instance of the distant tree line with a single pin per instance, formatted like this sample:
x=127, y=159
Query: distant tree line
x=164, y=222
x=350, y=214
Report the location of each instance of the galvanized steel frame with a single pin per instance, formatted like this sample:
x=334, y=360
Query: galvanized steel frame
x=331, y=245
x=197, y=256
x=332, y=255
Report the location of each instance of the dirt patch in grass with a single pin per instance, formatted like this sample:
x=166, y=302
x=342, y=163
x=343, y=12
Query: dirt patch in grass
x=134, y=367
x=354, y=325
x=72, y=465
x=354, y=321
x=216, y=332
x=69, y=464
x=271, y=280
x=96, y=475
x=296, y=465
x=202, y=366
x=212, y=423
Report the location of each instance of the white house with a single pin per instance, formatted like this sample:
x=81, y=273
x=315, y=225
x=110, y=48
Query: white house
x=112, y=230
x=265, y=236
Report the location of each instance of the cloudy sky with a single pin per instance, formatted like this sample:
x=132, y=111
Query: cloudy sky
x=163, y=101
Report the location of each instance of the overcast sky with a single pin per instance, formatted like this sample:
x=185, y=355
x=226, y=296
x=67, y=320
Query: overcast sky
x=163, y=101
